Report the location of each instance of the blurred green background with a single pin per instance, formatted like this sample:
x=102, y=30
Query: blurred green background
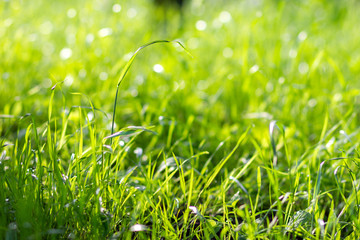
x=253, y=61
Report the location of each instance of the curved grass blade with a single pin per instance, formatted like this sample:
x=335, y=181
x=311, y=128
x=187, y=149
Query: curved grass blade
x=272, y=139
x=128, y=65
x=130, y=131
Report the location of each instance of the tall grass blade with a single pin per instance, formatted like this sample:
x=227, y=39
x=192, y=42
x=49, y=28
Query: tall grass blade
x=128, y=65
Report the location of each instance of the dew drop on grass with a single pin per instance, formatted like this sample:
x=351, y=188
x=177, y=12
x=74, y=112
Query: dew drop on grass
x=193, y=209
x=138, y=228
x=71, y=236
x=330, y=143
x=342, y=132
x=138, y=152
x=116, y=8
x=158, y=68
x=177, y=203
x=109, y=125
x=322, y=225
x=100, y=203
x=64, y=177
x=127, y=56
x=201, y=25
x=65, y=53
x=72, y=157
x=161, y=118
x=90, y=116
x=300, y=218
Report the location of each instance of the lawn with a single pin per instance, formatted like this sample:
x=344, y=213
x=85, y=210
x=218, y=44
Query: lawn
x=232, y=119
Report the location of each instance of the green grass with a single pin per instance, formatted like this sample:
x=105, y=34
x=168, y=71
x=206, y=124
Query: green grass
x=254, y=137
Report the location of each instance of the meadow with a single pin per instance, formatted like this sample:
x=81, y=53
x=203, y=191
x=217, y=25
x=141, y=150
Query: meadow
x=235, y=120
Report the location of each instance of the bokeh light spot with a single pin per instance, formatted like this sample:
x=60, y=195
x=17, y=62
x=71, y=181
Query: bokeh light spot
x=228, y=52
x=116, y=8
x=201, y=25
x=71, y=13
x=158, y=68
x=104, y=32
x=303, y=68
x=254, y=69
x=103, y=76
x=69, y=79
x=225, y=17
x=131, y=13
x=65, y=53
x=302, y=36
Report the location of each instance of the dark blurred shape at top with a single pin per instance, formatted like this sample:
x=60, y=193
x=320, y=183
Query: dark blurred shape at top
x=169, y=16
x=171, y=3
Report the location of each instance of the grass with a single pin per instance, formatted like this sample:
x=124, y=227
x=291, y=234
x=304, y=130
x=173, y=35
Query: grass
x=255, y=137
